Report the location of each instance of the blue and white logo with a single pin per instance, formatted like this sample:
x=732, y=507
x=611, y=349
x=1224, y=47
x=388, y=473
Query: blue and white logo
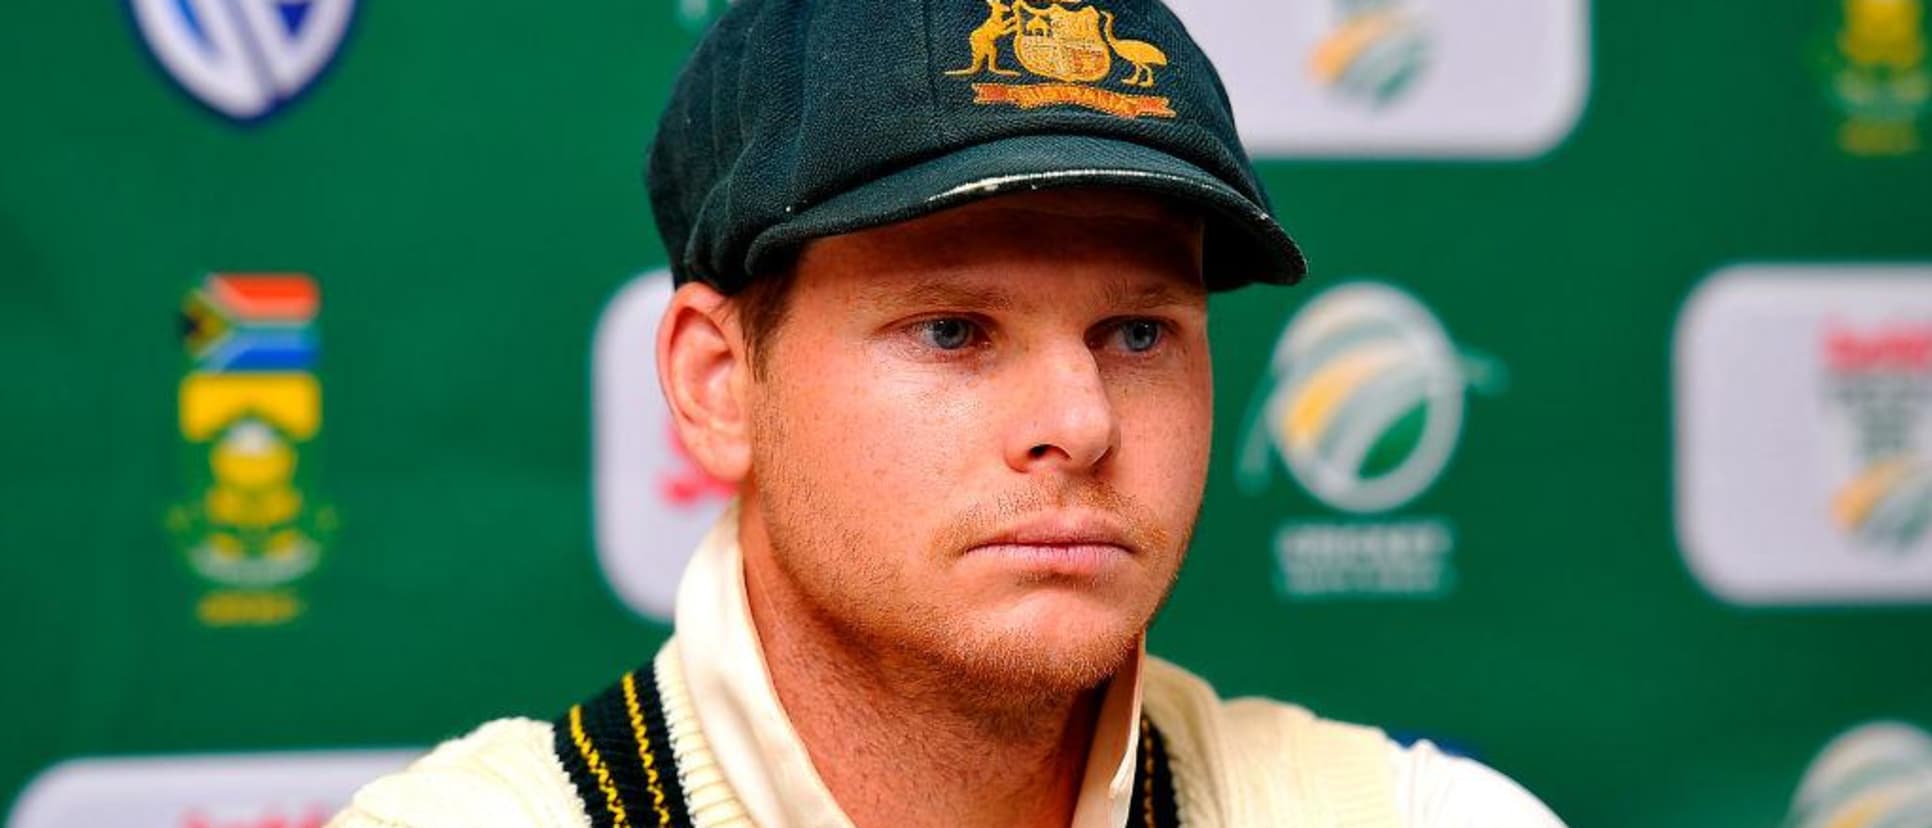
x=244, y=58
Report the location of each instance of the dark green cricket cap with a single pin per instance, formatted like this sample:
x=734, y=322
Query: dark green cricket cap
x=798, y=119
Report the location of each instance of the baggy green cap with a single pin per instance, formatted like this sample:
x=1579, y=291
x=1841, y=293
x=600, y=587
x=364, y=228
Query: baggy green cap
x=798, y=119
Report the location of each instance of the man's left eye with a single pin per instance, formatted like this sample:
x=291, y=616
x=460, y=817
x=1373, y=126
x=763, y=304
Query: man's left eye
x=1139, y=335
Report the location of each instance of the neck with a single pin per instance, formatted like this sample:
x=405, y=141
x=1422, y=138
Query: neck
x=900, y=743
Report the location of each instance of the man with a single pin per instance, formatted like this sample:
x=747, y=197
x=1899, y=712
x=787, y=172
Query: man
x=946, y=330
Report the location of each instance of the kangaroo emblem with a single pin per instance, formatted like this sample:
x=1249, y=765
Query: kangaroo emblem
x=1143, y=55
x=1000, y=22
x=1067, y=48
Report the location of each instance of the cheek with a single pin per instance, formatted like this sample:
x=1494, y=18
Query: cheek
x=1166, y=435
x=866, y=438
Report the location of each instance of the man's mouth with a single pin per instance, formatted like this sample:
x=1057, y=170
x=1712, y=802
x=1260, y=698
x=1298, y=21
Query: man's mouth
x=1073, y=545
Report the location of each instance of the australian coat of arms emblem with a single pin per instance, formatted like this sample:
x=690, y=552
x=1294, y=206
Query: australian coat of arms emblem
x=1072, y=48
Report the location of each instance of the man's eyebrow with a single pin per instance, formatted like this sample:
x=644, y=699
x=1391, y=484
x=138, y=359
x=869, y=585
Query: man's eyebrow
x=942, y=293
x=1158, y=295
x=938, y=293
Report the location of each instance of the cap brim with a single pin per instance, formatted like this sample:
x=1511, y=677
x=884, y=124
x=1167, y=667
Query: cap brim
x=1244, y=244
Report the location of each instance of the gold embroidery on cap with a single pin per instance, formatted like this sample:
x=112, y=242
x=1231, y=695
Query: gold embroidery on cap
x=1071, y=44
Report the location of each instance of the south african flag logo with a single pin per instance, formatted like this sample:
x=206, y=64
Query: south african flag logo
x=252, y=520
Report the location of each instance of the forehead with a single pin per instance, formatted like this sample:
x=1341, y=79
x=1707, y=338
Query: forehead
x=1125, y=233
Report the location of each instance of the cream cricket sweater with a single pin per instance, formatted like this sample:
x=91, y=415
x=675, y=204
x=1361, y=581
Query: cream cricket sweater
x=714, y=741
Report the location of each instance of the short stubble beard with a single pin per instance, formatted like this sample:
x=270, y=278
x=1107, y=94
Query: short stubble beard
x=914, y=645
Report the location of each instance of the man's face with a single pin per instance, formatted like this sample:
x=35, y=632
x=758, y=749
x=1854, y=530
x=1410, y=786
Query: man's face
x=980, y=438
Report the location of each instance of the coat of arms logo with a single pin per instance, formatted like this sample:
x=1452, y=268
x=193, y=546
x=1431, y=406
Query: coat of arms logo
x=252, y=521
x=1071, y=44
x=1877, y=75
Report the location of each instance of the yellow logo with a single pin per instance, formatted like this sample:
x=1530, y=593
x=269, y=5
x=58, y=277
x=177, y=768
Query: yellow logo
x=252, y=522
x=1883, y=33
x=1073, y=46
x=1879, y=77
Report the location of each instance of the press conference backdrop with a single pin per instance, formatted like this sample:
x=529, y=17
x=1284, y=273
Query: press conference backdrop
x=1598, y=446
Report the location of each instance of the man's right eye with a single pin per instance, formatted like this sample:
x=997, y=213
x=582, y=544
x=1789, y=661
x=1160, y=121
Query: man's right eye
x=948, y=333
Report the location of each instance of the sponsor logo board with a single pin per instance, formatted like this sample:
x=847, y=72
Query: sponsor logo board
x=1479, y=79
x=1804, y=434
x=266, y=790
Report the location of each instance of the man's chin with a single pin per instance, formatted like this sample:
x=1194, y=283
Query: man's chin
x=1049, y=655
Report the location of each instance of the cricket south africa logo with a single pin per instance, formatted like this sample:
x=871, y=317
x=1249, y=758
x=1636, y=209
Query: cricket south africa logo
x=1375, y=51
x=1070, y=46
x=1363, y=408
x=243, y=58
x=1878, y=400
x=252, y=521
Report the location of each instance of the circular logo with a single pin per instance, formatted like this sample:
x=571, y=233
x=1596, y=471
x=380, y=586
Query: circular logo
x=1374, y=52
x=1879, y=773
x=1368, y=397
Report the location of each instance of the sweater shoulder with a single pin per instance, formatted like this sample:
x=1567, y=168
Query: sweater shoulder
x=1243, y=729
x=504, y=773
x=1446, y=791
x=1264, y=762
x=1261, y=758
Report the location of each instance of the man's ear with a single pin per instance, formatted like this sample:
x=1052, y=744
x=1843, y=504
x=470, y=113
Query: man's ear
x=703, y=365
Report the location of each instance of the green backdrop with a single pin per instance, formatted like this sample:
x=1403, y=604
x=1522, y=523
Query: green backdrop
x=463, y=185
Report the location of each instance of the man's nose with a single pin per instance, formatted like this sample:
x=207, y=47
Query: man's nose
x=1063, y=419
